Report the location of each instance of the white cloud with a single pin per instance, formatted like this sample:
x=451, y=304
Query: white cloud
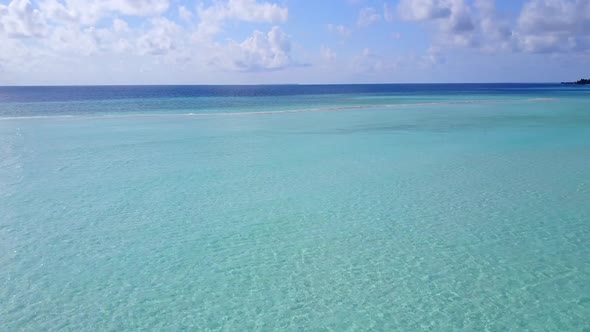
x=452, y=15
x=270, y=51
x=259, y=52
x=213, y=17
x=88, y=12
x=327, y=54
x=162, y=38
x=458, y=23
x=49, y=36
x=432, y=57
x=388, y=14
x=120, y=26
x=63, y=30
x=15, y=54
x=569, y=16
x=496, y=31
x=461, y=19
x=554, y=26
x=74, y=40
x=20, y=19
x=422, y=10
x=339, y=29
x=185, y=14
x=370, y=62
x=367, y=17
x=55, y=10
x=542, y=26
x=457, y=29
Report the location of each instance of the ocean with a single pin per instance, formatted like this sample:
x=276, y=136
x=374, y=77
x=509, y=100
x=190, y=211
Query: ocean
x=445, y=207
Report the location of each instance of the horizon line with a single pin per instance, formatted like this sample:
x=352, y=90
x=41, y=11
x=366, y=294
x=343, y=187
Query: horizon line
x=269, y=84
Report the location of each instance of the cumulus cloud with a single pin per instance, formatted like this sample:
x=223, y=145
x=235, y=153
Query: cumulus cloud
x=184, y=13
x=461, y=18
x=57, y=33
x=120, y=26
x=370, y=62
x=19, y=55
x=458, y=28
x=454, y=15
x=339, y=29
x=422, y=10
x=69, y=26
x=542, y=26
x=260, y=52
x=161, y=38
x=388, y=13
x=496, y=31
x=327, y=54
x=74, y=40
x=88, y=12
x=213, y=17
x=432, y=57
x=367, y=17
x=49, y=36
x=554, y=26
x=453, y=19
x=20, y=19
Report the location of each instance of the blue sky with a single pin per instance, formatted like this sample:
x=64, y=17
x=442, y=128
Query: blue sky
x=288, y=41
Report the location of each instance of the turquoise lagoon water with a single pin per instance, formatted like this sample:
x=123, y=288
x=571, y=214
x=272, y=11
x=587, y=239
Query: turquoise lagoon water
x=390, y=208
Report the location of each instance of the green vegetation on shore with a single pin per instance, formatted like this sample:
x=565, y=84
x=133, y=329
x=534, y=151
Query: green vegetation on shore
x=582, y=81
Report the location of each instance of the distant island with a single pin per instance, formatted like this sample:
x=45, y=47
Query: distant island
x=583, y=81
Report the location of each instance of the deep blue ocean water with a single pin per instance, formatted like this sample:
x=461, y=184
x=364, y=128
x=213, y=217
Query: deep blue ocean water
x=117, y=100
x=292, y=207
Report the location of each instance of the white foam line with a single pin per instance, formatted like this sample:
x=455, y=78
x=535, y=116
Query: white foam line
x=308, y=110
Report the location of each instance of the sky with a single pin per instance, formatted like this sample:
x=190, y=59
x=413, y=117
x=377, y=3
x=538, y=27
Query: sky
x=62, y=42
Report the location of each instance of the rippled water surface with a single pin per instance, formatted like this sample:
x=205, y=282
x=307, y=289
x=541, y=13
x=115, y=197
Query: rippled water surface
x=450, y=207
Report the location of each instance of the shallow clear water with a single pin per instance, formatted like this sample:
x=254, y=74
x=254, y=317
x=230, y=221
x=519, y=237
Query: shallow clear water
x=438, y=215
